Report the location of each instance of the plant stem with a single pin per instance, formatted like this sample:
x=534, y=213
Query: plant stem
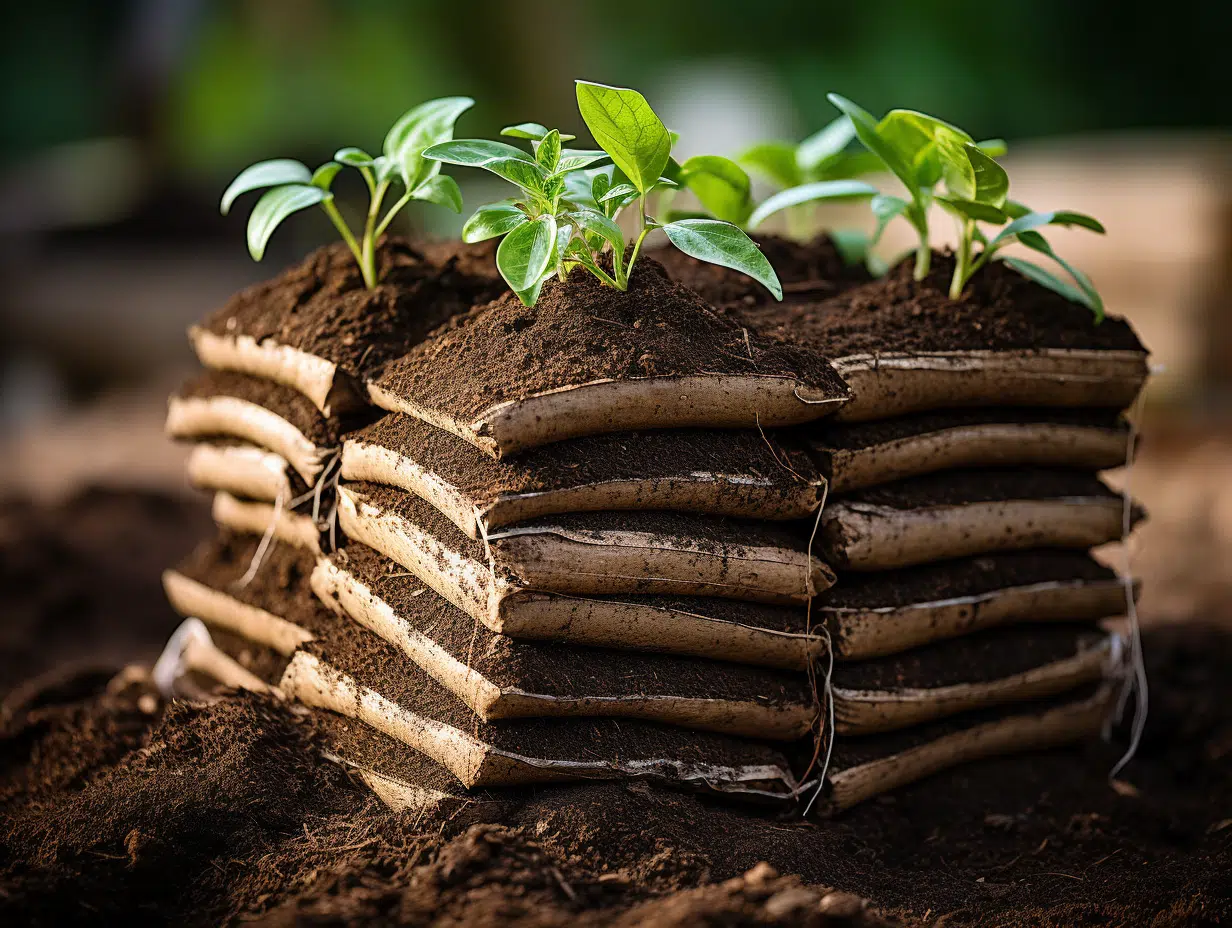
x=393, y=211
x=917, y=214
x=962, y=263
x=637, y=246
x=345, y=231
x=367, y=263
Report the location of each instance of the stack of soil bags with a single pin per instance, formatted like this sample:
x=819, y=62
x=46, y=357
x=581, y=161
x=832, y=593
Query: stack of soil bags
x=601, y=537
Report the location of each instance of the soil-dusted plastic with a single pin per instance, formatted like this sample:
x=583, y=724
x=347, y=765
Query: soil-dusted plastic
x=588, y=359
x=353, y=672
x=503, y=678
x=255, y=517
x=263, y=413
x=906, y=347
x=864, y=454
x=585, y=553
x=974, y=672
x=243, y=470
x=409, y=531
x=738, y=473
x=317, y=329
x=961, y=513
x=871, y=615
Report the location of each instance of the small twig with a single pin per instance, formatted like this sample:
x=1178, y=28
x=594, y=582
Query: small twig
x=263, y=548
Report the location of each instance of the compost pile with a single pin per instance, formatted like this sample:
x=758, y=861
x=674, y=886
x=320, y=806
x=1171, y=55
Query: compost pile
x=685, y=548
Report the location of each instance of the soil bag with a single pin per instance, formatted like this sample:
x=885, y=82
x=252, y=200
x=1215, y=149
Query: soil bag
x=732, y=473
x=974, y=672
x=589, y=359
x=259, y=412
x=874, y=614
x=258, y=518
x=243, y=470
x=354, y=673
x=503, y=678
x=317, y=329
x=865, y=454
x=961, y=513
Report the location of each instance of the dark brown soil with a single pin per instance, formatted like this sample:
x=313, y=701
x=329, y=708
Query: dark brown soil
x=647, y=457
x=279, y=585
x=374, y=663
x=966, y=577
x=956, y=487
x=856, y=435
x=807, y=270
x=977, y=658
x=264, y=663
x=563, y=671
x=581, y=331
x=418, y=511
x=1000, y=310
x=322, y=307
x=287, y=402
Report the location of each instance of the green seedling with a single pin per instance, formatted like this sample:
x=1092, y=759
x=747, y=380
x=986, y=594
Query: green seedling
x=940, y=163
x=568, y=201
x=290, y=186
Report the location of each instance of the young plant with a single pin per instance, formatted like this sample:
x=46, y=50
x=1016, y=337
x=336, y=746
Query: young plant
x=293, y=187
x=564, y=215
x=925, y=153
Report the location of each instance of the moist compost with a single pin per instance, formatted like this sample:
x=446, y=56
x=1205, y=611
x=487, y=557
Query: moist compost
x=581, y=331
x=647, y=457
x=960, y=487
x=321, y=306
x=807, y=270
x=563, y=671
x=854, y=436
x=974, y=576
x=999, y=311
x=977, y=658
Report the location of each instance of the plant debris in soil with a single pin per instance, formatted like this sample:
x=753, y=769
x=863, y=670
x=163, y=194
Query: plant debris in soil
x=205, y=814
x=320, y=306
x=581, y=331
x=1000, y=310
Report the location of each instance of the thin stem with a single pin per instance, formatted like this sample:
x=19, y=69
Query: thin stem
x=962, y=263
x=637, y=246
x=368, y=261
x=393, y=211
x=344, y=230
x=917, y=214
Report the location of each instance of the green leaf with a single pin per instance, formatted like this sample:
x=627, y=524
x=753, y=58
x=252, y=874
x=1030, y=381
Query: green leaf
x=847, y=164
x=867, y=132
x=1029, y=221
x=422, y=127
x=525, y=252
x=513, y=164
x=723, y=244
x=324, y=176
x=600, y=184
x=932, y=147
x=353, y=157
x=265, y=174
x=533, y=131
x=1089, y=296
x=619, y=192
x=384, y=168
x=574, y=159
x=276, y=205
x=775, y=161
x=1016, y=210
x=625, y=126
x=852, y=245
x=992, y=184
x=441, y=190
x=1033, y=271
x=547, y=152
x=993, y=148
x=493, y=220
x=826, y=143
x=971, y=209
x=885, y=208
x=593, y=221
x=808, y=193
x=721, y=186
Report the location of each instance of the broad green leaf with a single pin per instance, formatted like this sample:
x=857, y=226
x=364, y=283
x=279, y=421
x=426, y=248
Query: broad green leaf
x=1089, y=295
x=993, y=148
x=1029, y=221
x=619, y=192
x=513, y=164
x=441, y=190
x=723, y=244
x=933, y=148
x=422, y=127
x=265, y=174
x=530, y=296
x=524, y=253
x=547, y=152
x=847, y=164
x=992, y=184
x=971, y=209
x=885, y=208
x=1066, y=217
x=533, y=131
x=775, y=161
x=625, y=126
x=353, y=157
x=599, y=186
x=852, y=245
x=594, y=221
x=1046, y=278
x=721, y=186
x=826, y=143
x=672, y=174
x=493, y=220
x=276, y=205
x=324, y=176
x=867, y=132
x=384, y=168
x=1016, y=210
x=809, y=193
x=573, y=159
x=675, y=215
